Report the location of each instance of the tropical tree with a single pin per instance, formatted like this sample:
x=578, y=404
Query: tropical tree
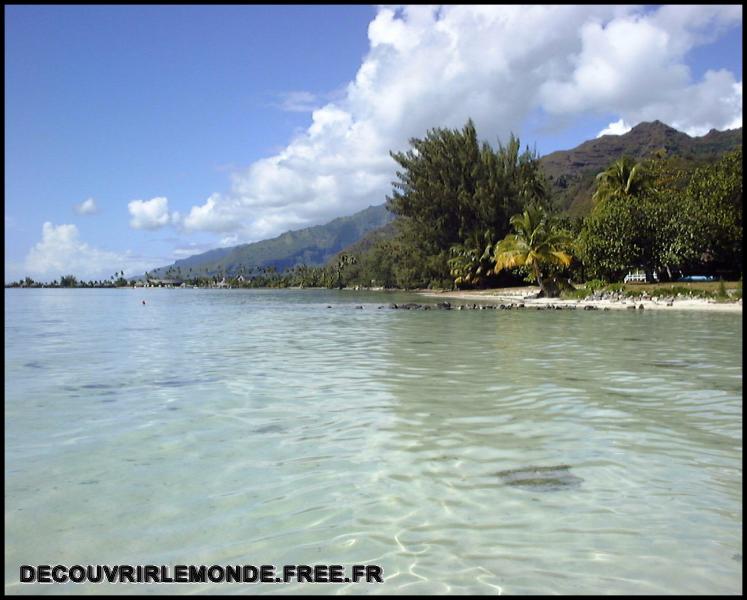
x=678, y=221
x=714, y=198
x=622, y=179
x=610, y=243
x=449, y=187
x=342, y=261
x=68, y=281
x=471, y=263
x=536, y=244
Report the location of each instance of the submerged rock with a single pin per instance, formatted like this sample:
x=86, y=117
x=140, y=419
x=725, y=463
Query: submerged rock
x=541, y=479
x=270, y=429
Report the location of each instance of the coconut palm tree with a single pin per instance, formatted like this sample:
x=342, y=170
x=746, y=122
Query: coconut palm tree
x=623, y=178
x=536, y=243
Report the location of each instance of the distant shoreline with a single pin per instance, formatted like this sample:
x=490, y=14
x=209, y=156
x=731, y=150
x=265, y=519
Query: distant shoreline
x=508, y=296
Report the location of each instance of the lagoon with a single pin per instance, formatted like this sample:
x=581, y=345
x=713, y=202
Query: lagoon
x=534, y=452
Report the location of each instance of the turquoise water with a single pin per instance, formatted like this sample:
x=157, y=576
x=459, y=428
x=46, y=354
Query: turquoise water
x=261, y=427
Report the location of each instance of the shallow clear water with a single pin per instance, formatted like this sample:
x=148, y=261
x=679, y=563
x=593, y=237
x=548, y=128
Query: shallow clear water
x=261, y=427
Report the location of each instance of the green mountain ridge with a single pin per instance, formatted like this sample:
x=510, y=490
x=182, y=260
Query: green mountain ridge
x=312, y=246
x=572, y=172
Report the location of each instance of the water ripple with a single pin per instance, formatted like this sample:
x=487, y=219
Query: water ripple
x=261, y=427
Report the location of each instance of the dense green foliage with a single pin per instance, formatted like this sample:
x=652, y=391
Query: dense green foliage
x=472, y=263
x=453, y=196
x=678, y=222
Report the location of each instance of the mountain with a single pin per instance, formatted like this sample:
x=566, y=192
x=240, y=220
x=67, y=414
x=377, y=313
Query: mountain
x=312, y=246
x=572, y=172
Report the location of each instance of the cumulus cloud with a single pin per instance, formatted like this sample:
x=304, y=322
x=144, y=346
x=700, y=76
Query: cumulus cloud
x=634, y=66
x=616, y=128
x=87, y=207
x=151, y=214
x=437, y=66
x=61, y=252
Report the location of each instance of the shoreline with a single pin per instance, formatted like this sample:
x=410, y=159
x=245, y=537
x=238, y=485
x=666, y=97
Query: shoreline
x=508, y=296
x=522, y=295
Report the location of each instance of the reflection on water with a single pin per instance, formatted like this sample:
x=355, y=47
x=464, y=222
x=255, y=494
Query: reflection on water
x=490, y=451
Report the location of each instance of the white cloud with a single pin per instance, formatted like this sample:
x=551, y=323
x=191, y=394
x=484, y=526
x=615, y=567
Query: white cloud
x=61, y=252
x=616, y=128
x=634, y=66
x=151, y=214
x=435, y=67
x=299, y=101
x=87, y=207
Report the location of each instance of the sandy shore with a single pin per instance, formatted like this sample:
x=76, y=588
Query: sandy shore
x=523, y=295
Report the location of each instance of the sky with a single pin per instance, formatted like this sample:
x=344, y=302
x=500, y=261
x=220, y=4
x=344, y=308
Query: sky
x=139, y=135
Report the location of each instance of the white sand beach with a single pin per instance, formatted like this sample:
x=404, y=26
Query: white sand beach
x=526, y=295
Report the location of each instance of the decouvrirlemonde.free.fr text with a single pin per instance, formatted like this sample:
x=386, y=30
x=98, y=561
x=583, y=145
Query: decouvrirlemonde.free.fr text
x=201, y=574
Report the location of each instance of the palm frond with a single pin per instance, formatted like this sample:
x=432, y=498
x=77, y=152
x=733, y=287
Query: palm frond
x=561, y=257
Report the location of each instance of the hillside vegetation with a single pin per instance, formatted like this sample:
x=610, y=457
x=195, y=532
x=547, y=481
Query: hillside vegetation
x=310, y=246
x=571, y=172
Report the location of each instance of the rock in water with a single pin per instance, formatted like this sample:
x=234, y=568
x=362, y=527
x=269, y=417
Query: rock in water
x=541, y=479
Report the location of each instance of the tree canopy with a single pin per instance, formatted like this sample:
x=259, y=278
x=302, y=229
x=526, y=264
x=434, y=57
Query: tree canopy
x=450, y=189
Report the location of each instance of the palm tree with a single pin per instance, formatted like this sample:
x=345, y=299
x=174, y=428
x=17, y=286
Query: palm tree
x=344, y=259
x=536, y=243
x=622, y=179
x=471, y=263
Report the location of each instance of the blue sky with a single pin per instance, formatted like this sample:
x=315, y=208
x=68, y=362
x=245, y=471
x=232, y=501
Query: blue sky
x=184, y=128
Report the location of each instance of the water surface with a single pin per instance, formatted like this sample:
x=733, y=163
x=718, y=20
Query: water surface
x=262, y=427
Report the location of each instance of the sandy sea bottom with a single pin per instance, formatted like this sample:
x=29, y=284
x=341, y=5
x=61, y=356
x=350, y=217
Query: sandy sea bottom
x=463, y=452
